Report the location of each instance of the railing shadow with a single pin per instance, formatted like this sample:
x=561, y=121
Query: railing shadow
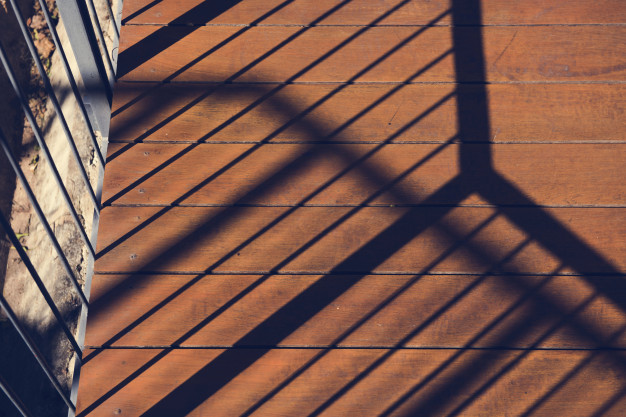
x=470, y=365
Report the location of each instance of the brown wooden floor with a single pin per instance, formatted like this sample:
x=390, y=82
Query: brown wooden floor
x=363, y=208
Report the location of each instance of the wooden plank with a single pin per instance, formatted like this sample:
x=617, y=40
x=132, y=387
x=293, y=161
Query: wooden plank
x=193, y=112
x=376, y=310
x=380, y=239
x=471, y=304
x=340, y=54
x=400, y=382
x=575, y=174
x=522, y=112
x=355, y=12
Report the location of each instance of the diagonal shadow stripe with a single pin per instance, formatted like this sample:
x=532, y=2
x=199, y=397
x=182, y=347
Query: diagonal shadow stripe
x=379, y=307
x=100, y=306
x=182, y=33
x=515, y=362
x=472, y=169
x=585, y=362
x=471, y=372
x=274, y=181
x=140, y=11
x=162, y=39
x=541, y=226
x=453, y=189
x=164, y=32
x=384, y=184
x=204, y=383
x=294, y=119
x=485, y=330
x=399, y=131
x=274, y=91
x=330, y=282
x=207, y=381
x=299, y=73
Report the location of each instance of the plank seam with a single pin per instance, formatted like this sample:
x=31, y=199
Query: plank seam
x=539, y=206
x=364, y=347
x=366, y=142
x=234, y=82
x=341, y=273
x=199, y=25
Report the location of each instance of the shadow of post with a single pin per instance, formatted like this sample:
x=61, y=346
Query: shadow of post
x=477, y=176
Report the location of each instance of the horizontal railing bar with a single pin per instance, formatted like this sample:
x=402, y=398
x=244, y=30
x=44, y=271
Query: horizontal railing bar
x=42, y=288
x=72, y=80
x=42, y=144
x=15, y=400
x=55, y=102
x=42, y=218
x=35, y=351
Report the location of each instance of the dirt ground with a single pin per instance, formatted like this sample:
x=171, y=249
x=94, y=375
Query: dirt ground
x=16, y=363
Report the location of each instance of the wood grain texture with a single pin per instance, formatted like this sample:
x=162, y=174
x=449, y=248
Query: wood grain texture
x=380, y=239
x=399, y=382
x=363, y=12
x=378, y=310
x=385, y=254
x=376, y=113
x=164, y=174
x=372, y=54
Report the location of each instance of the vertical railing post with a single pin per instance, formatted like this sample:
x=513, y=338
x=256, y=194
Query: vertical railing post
x=97, y=83
x=97, y=92
x=91, y=81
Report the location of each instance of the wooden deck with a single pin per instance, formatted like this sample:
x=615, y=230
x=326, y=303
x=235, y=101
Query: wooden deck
x=363, y=208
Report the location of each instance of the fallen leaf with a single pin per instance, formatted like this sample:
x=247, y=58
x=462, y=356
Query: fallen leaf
x=37, y=22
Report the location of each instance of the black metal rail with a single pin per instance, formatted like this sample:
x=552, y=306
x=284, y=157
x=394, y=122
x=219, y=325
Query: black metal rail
x=97, y=71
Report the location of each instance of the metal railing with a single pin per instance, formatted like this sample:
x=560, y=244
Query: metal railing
x=91, y=88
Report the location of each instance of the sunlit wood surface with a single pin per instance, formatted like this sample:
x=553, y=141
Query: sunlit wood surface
x=363, y=208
